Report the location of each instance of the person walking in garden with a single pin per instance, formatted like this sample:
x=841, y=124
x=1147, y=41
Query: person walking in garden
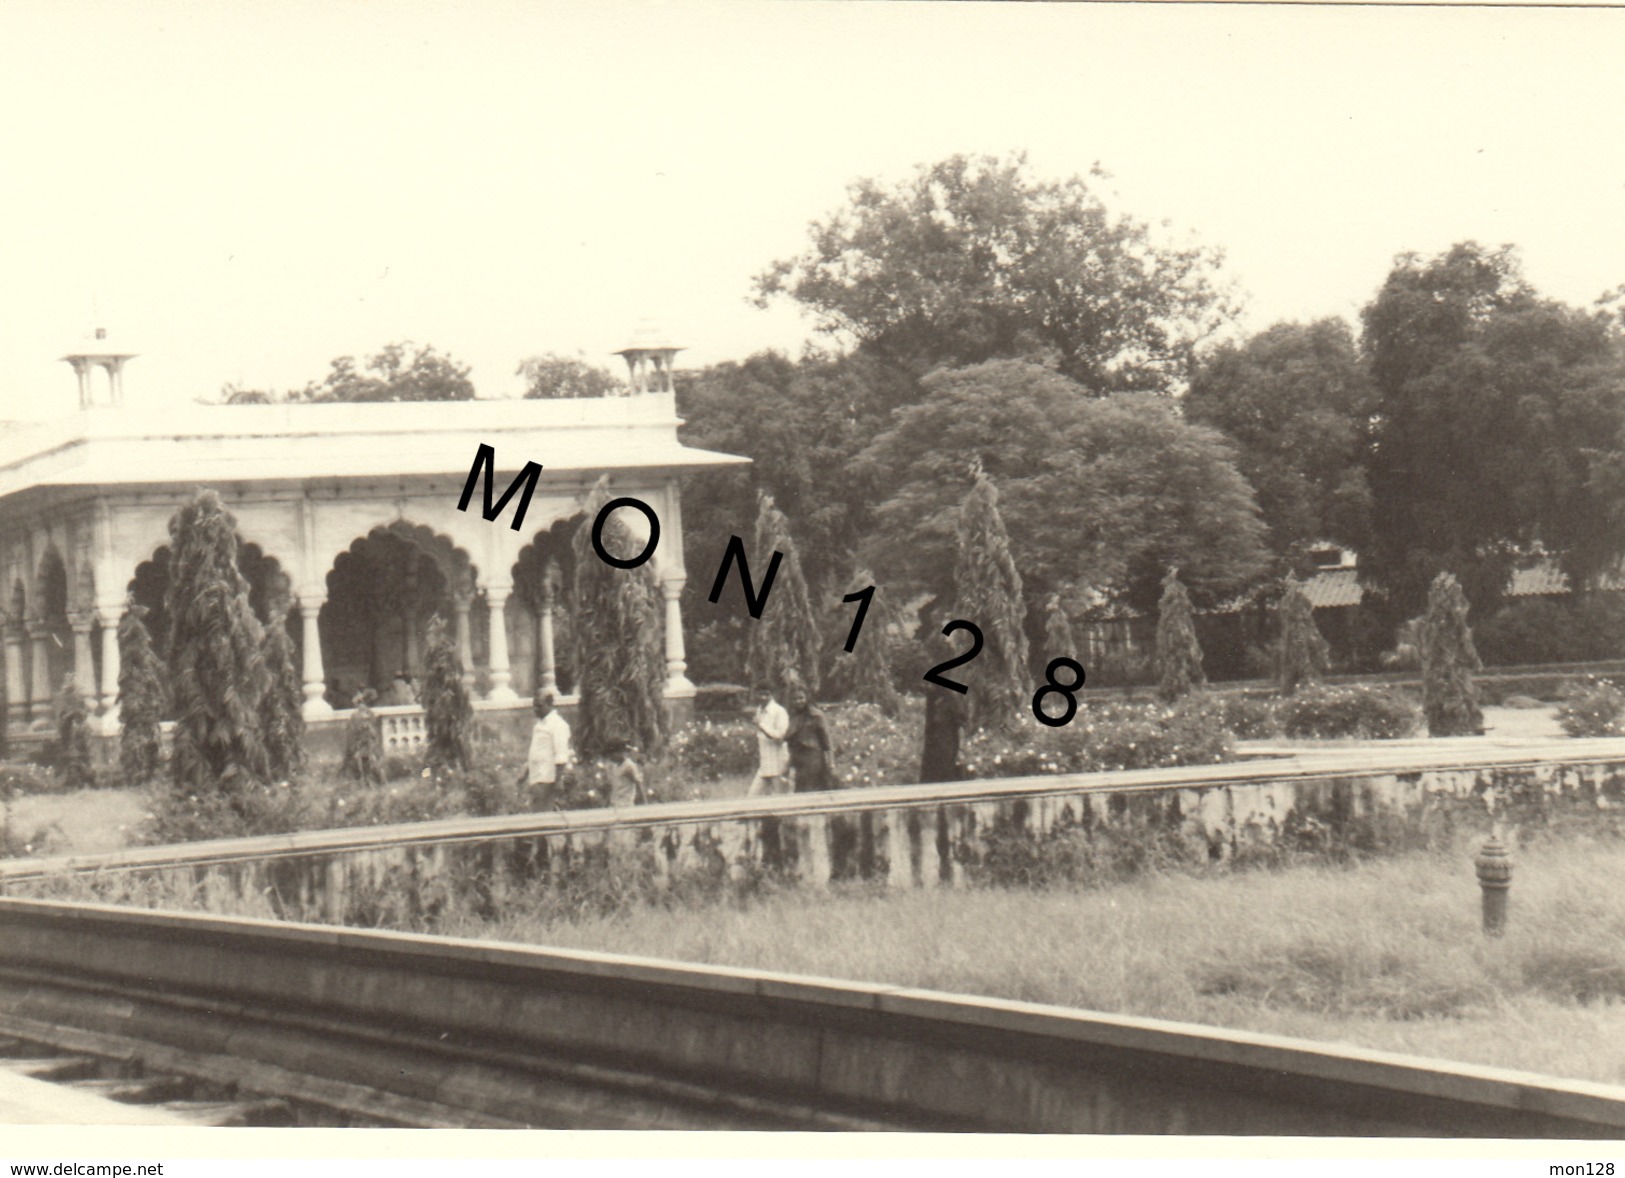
x=549, y=755
x=626, y=780
x=809, y=745
x=772, y=755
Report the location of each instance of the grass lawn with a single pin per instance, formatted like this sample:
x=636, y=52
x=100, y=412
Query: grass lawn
x=1385, y=954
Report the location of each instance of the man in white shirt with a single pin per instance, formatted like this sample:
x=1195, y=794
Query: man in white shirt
x=549, y=750
x=772, y=754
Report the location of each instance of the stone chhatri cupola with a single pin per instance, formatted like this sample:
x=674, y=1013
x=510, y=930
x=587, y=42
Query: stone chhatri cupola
x=99, y=353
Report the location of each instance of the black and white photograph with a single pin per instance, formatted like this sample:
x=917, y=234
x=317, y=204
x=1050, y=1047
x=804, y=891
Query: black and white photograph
x=756, y=578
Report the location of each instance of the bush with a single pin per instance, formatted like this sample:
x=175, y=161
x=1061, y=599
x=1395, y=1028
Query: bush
x=1531, y=631
x=1596, y=708
x=1247, y=717
x=1367, y=713
x=1103, y=737
x=709, y=750
x=74, y=767
x=872, y=748
x=22, y=781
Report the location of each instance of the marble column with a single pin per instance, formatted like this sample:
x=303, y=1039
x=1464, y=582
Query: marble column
x=465, y=639
x=315, y=706
x=40, y=638
x=496, y=600
x=84, y=659
x=677, y=682
x=108, y=694
x=16, y=677
x=544, y=642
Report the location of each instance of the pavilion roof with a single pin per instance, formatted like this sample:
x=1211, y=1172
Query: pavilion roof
x=268, y=443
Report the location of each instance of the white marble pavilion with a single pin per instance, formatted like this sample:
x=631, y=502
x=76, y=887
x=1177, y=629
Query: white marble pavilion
x=349, y=519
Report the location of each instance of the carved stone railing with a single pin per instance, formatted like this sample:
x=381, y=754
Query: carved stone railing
x=402, y=728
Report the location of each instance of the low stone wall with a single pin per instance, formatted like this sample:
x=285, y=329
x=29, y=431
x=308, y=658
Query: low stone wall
x=899, y=837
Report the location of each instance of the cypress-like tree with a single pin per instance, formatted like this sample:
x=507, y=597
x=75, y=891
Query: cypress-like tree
x=1449, y=695
x=865, y=674
x=141, y=699
x=988, y=591
x=281, y=714
x=783, y=643
x=363, y=743
x=1179, y=655
x=1302, y=654
x=74, y=767
x=216, y=671
x=1058, y=636
x=620, y=657
x=448, y=716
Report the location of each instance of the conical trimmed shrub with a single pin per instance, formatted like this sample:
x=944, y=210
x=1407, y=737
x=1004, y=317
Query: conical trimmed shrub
x=1179, y=655
x=619, y=641
x=448, y=714
x=282, y=714
x=865, y=674
x=74, y=767
x=783, y=643
x=363, y=743
x=1302, y=654
x=1449, y=695
x=216, y=669
x=141, y=700
x=1058, y=636
x=988, y=592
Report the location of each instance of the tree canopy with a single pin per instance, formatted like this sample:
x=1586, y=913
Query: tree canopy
x=399, y=372
x=1296, y=401
x=1498, y=423
x=801, y=424
x=1100, y=496
x=975, y=258
x=551, y=376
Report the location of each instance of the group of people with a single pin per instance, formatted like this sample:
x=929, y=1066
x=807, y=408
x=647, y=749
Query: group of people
x=550, y=757
x=402, y=691
x=792, y=745
x=793, y=752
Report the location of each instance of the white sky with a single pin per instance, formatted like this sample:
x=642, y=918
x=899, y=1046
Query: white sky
x=243, y=191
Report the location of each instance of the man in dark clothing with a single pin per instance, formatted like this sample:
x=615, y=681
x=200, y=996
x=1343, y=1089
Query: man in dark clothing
x=809, y=743
x=944, y=720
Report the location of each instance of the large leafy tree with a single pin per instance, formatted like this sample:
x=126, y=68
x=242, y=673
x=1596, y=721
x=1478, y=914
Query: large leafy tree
x=1296, y=401
x=552, y=376
x=141, y=699
x=216, y=666
x=1099, y=496
x=618, y=634
x=1498, y=420
x=988, y=591
x=976, y=258
x=800, y=423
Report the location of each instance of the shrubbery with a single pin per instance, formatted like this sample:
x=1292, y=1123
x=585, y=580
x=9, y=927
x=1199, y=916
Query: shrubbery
x=1594, y=708
x=1103, y=737
x=1539, y=630
x=709, y=750
x=872, y=748
x=1248, y=717
x=1368, y=713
